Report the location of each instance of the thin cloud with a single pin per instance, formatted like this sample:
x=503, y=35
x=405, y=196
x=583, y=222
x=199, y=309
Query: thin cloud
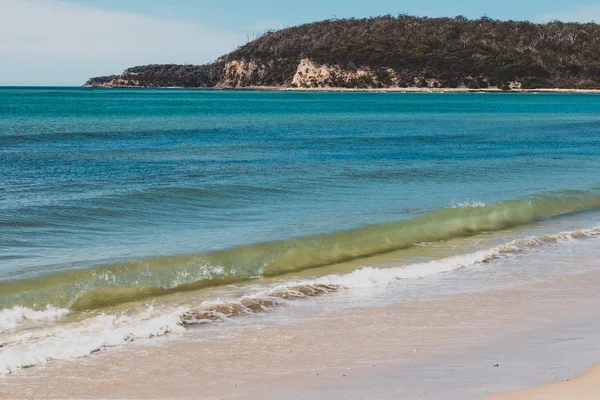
x=55, y=36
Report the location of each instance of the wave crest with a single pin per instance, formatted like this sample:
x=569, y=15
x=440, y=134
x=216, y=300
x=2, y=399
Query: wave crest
x=151, y=277
x=80, y=338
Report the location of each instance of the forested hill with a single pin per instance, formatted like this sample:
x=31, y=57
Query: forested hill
x=401, y=51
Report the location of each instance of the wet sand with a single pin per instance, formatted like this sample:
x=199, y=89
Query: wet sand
x=453, y=347
x=585, y=387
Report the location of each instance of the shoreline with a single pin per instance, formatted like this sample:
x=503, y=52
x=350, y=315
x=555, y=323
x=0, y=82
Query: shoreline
x=491, y=200
x=583, y=387
x=464, y=346
x=360, y=90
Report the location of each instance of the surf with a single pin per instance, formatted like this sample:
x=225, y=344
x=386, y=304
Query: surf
x=128, y=281
x=91, y=333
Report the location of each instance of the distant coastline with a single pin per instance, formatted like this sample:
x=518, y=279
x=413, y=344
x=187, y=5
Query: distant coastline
x=402, y=53
x=360, y=90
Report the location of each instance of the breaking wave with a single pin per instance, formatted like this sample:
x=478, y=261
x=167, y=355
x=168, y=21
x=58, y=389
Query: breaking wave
x=151, y=277
x=79, y=338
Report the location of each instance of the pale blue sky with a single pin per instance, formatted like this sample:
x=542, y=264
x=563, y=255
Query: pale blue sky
x=240, y=14
x=52, y=42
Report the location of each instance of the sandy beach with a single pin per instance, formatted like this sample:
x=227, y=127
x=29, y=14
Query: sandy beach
x=367, y=90
x=331, y=246
x=417, y=90
x=535, y=331
x=585, y=387
x=337, y=201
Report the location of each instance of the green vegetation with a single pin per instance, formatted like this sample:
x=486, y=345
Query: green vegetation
x=403, y=51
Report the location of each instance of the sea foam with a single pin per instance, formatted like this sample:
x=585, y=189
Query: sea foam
x=68, y=341
x=76, y=339
x=10, y=318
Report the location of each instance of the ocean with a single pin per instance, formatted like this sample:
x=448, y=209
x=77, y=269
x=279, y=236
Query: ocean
x=128, y=213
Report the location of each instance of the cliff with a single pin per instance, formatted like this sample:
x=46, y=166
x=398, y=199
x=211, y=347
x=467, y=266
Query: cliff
x=389, y=52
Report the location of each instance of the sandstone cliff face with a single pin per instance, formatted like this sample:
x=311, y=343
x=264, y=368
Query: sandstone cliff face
x=312, y=75
x=308, y=75
x=233, y=74
x=241, y=73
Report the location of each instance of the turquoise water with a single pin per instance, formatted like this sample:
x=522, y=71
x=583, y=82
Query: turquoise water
x=153, y=184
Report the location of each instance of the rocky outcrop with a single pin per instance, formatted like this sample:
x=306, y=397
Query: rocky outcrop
x=312, y=75
x=126, y=79
x=241, y=73
x=164, y=75
x=244, y=74
x=249, y=74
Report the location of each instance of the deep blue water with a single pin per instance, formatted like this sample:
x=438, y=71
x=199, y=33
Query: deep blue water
x=89, y=176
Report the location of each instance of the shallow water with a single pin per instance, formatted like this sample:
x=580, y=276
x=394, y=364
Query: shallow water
x=531, y=312
x=114, y=199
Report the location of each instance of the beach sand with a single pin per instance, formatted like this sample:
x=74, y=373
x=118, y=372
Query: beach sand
x=543, y=329
x=375, y=90
x=585, y=387
x=413, y=90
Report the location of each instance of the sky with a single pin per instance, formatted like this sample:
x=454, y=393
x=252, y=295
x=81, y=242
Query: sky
x=64, y=42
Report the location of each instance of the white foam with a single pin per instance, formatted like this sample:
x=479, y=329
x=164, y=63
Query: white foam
x=74, y=340
x=11, y=318
x=367, y=277
x=371, y=276
x=374, y=277
x=460, y=204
